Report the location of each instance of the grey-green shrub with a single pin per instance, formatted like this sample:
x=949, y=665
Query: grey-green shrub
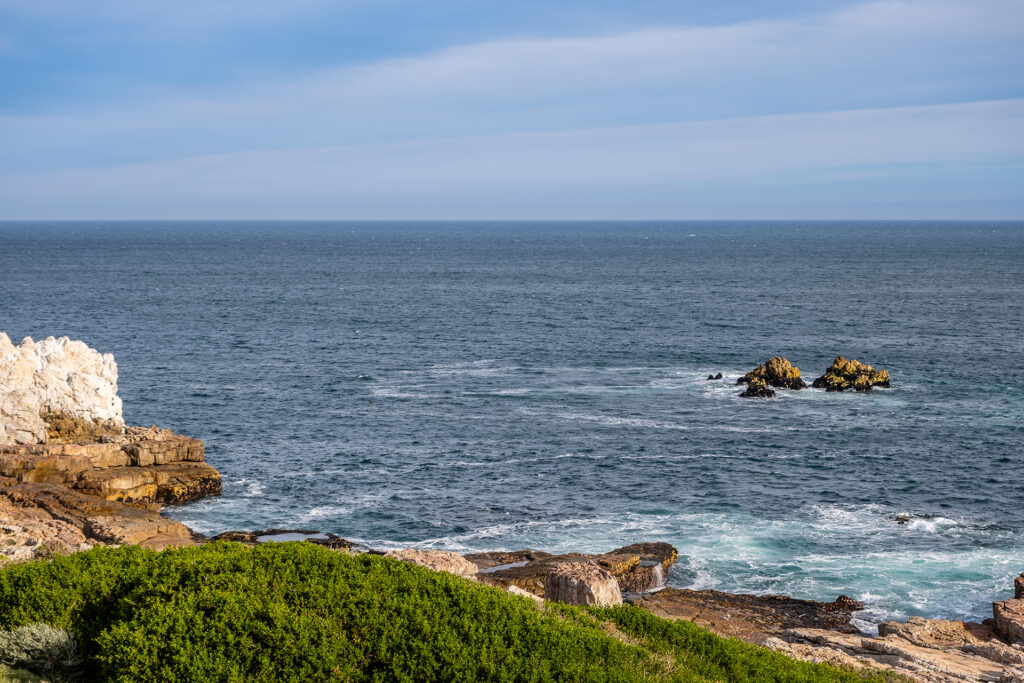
x=42, y=649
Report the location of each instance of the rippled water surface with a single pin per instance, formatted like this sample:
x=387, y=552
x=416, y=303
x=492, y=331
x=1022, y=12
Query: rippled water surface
x=484, y=385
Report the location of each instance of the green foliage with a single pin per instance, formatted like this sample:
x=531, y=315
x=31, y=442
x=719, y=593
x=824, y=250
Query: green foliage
x=42, y=649
x=299, y=612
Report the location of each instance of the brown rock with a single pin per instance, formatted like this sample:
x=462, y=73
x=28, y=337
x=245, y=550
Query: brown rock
x=1009, y=620
x=64, y=428
x=748, y=617
x=1018, y=587
x=582, y=583
x=776, y=372
x=143, y=465
x=637, y=567
x=96, y=519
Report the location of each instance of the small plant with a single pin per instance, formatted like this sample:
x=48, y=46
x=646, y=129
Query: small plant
x=41, y=649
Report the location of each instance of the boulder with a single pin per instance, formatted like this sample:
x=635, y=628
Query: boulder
x=437, y=560
x=1008, y=617
x=516, y=590
x=775, y=372
x=1018, y=587
x=582, y=583
x=758, y=388
x=57, y=390
x=845, y=374
x=638, y=567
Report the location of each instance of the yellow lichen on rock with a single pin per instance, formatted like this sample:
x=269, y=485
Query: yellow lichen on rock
x=777, y=372
x=846, y=374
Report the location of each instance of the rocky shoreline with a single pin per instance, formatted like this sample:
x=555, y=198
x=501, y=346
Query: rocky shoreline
x=73, y=476
x=932, y=650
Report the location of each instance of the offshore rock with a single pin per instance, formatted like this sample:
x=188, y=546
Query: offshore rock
x=776, y=372
x=636, y=568
x=844, y=375
x=57, y=390
x=437, y=560
x=582, y=583
x=1018, y=587
x=758, y=388
x=714, y=377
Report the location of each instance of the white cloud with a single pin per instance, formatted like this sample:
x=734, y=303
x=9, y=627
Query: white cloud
x=646, y=107
x=666, y=165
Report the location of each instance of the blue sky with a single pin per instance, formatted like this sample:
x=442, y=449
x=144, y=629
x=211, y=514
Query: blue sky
x=472, y=109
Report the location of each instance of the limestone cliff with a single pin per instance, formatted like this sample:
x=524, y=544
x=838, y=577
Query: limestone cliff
x=56, y=390
x=71, y=474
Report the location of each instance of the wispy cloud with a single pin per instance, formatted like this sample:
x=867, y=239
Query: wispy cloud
x=618, y=114
x=642, y=171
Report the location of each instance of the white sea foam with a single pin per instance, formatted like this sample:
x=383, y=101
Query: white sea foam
x=251, y=488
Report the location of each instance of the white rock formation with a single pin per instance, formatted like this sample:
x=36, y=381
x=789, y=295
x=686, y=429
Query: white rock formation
x=58, y=377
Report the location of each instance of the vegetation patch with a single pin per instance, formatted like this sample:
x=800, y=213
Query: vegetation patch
x=300, y=612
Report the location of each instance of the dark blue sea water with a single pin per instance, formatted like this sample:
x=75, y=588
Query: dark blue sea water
x=489, y=385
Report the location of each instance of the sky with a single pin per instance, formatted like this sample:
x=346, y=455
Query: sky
x=472, y=109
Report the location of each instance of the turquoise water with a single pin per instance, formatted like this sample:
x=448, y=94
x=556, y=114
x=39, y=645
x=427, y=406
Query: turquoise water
x=477, y=386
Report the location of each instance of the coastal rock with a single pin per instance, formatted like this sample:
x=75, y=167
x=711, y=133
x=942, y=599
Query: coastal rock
x=516, y=590
x=751, y=618
x=31, y=534
x=637, y=567
x=1008, y=617
x=776, y=372
x=142, y=465
x=714, y=377
x=582, y=583
x=758, y=388
x=845, y=374
x=437, y=560
x=1018, y=587
x=34, y=507
x=325, y=539
x=57, y=390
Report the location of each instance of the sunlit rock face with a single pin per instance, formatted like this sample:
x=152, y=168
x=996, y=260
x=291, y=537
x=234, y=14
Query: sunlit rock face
x=57, y=391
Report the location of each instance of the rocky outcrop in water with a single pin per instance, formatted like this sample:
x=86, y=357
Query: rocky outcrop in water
x=71, y=474
x=758, y=388
x=57, y=390
x=844, y=375
x=582, y=583
x=775, y=372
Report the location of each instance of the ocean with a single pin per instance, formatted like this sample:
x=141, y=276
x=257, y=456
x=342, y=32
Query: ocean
x=489, y=385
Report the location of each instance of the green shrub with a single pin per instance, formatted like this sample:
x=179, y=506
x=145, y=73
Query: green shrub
x=299, y=612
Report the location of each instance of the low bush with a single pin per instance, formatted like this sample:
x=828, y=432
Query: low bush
x=299, y=612
x=42, y=649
